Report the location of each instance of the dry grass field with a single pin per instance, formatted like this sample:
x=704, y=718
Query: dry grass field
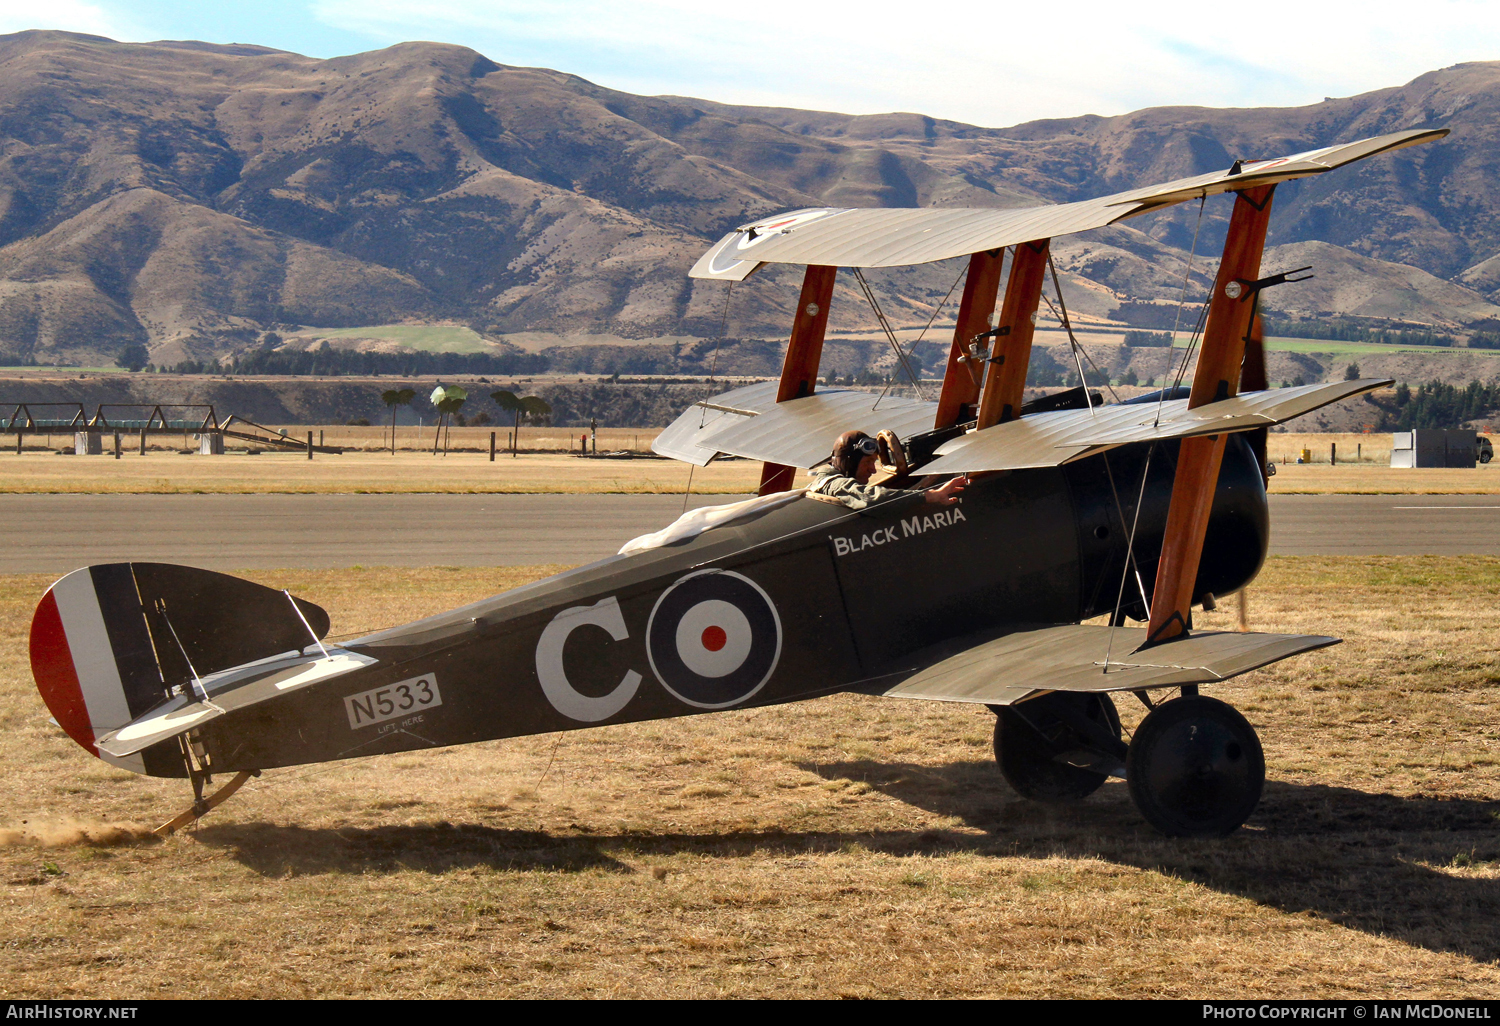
x=476, y=439
x=849, y=846
x=168, y=472
x=460, y=472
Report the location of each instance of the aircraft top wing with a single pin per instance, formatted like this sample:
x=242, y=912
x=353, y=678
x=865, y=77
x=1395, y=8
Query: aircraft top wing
x=1052, y=439
x=887, y=237
x=1072, y=657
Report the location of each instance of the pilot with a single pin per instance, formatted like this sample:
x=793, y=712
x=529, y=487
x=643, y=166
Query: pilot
x=848, y=475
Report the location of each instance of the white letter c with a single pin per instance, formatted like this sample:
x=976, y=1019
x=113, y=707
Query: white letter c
x=554, y=679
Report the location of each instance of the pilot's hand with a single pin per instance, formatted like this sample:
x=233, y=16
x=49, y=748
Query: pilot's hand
x=947, y=495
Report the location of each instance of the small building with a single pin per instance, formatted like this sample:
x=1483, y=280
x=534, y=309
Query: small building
x=1433, y=447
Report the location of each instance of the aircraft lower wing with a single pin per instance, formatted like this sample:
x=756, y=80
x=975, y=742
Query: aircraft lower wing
x=1081, y=657
x=1052, y=439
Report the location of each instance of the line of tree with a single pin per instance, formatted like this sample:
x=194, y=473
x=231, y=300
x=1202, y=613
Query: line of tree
x=325, y=361
x=1341, y=329
x=1148, y=339
x=533, y=408
x=1155, y=315
x=1437, y=405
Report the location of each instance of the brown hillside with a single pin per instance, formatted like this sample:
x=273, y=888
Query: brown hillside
x=192, y=196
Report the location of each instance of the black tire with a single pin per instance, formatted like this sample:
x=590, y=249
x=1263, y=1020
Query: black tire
x=1025, y=757
x=1195, y=768
x=1484, y=457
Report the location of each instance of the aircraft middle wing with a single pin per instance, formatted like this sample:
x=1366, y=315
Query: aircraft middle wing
x=1072, y=657
x=1052, y=439
x=749, y=422
x=679, y=440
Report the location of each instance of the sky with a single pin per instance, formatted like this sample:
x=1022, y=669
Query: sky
x=994, y=63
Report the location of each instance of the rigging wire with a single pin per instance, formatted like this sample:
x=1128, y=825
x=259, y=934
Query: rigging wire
x=1130, y=559
x=713, y=371
x=1077, y=346
x=890, y=334
x=964, y=270
x=1193, y=341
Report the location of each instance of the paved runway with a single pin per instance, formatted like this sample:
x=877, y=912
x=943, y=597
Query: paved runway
x=57, y=533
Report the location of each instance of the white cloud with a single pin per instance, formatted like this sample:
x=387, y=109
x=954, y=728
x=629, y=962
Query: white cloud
x=68, y=15
x=990, y=63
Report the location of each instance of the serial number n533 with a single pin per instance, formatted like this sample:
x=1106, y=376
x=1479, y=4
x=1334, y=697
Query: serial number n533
x=393, y=700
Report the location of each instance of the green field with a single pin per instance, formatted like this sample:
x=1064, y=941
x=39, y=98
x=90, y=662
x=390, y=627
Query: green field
x=1337, y=348
x=431, y=338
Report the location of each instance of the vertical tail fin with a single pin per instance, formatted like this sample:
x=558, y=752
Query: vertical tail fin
x=103, y=650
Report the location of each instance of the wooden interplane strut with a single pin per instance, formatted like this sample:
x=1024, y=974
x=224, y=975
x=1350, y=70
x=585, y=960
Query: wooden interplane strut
x=1218, y=375
x=1005, y=382
x=799, y=370
x=976, y=311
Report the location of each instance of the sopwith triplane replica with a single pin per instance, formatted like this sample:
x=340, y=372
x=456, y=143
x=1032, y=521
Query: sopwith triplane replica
x=1074, y=509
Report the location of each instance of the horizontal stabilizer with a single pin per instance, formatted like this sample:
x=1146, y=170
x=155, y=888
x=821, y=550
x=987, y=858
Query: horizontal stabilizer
x=1052, y=439
x=227, y=691
x=888, y=236
x=1072, y=657
x=796, y=433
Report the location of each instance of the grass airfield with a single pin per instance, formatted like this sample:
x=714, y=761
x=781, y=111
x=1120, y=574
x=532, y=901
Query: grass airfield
x=846, y=847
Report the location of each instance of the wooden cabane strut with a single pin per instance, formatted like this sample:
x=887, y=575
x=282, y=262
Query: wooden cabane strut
x=1004, y=376
x=799, y=370
x=1005, y=381
x=1221, y=363
x=976, y=311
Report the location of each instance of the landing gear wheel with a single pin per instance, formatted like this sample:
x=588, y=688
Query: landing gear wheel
x=1195, y=768
x=1025, y=756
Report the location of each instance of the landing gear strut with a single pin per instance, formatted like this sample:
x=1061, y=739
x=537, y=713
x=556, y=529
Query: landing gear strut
x=1195, y=768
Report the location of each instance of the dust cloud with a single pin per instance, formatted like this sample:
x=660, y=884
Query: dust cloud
x=69, y=833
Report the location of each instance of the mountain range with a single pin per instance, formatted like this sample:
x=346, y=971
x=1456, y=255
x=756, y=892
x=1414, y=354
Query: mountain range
x=192, y=197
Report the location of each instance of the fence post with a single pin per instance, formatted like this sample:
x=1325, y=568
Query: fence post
x=1333, y=454
x=117, y=445
x=309, y=445
x=492, y=447
x=143, y=441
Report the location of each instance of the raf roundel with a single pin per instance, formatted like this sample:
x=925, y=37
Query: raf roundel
x=713, y=639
